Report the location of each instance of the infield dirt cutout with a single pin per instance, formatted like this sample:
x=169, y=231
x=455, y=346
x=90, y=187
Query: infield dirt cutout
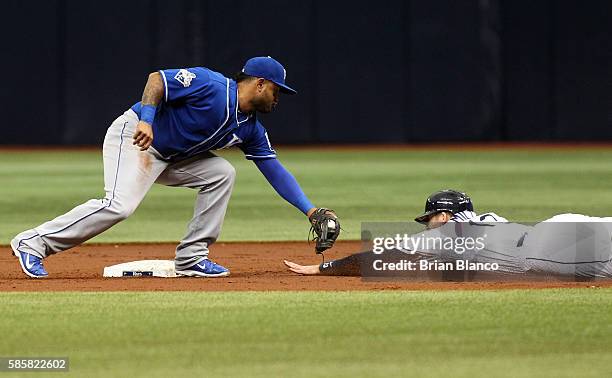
x=254, y=266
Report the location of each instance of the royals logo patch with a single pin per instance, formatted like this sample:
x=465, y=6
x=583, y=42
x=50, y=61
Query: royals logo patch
x=184, y=77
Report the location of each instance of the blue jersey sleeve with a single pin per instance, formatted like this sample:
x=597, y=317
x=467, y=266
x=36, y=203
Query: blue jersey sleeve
x=284, y=183
x=184, y=83
x=257, y=146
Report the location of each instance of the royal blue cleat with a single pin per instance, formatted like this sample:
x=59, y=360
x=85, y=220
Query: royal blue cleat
x=31, y=265
x=204, y=268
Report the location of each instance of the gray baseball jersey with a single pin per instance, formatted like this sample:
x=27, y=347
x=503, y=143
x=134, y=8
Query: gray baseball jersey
x=566, y=244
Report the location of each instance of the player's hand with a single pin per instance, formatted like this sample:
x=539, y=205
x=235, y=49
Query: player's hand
x=302, y=269
x=143, y=137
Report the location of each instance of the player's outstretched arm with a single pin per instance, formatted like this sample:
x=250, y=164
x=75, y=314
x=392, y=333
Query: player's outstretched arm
x=351, y=265
x=346, y=266
x=324, y=222
x=285, y=184
x=151, y=97
x=306, y=270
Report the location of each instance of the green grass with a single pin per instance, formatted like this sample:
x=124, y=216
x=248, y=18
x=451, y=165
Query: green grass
x=555, y=333
x=544, y=333
x=361, y=186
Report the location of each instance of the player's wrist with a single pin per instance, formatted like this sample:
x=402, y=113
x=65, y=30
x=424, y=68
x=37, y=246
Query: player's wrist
x=147, y=113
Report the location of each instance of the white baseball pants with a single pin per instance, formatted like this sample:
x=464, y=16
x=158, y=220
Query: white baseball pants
x=128, y=176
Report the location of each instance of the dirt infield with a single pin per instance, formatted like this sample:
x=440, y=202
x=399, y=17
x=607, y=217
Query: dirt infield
x=254, y=266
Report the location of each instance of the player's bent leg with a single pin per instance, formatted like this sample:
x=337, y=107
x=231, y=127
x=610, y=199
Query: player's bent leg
x=214, y=178
x=128, y=175
x=579, y=249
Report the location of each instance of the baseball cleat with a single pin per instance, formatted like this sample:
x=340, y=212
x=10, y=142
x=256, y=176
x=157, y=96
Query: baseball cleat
x=31, y=265
x=204, y=268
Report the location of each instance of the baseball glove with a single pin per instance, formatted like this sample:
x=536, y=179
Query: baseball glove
x=324, y=229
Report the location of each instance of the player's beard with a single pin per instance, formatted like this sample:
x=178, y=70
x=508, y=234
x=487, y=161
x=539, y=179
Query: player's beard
x=263, y=106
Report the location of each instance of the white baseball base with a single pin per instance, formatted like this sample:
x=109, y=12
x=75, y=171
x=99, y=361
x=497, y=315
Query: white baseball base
x=142, y=268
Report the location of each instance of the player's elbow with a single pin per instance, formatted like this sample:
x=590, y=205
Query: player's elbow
x=154, y=89
x=155, y=77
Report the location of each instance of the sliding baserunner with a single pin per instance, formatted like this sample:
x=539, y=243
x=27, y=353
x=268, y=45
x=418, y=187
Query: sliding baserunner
x=567, y=244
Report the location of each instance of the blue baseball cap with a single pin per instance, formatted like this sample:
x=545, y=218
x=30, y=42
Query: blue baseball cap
x=270, y=69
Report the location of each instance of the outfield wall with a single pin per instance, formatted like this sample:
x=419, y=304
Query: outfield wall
x=393, y=72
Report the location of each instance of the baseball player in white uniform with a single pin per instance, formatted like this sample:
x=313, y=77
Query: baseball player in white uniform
x=565, y=245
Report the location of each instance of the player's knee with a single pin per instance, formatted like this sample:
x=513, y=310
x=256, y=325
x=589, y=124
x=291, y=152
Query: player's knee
x=122, y=210
x=228, y=171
